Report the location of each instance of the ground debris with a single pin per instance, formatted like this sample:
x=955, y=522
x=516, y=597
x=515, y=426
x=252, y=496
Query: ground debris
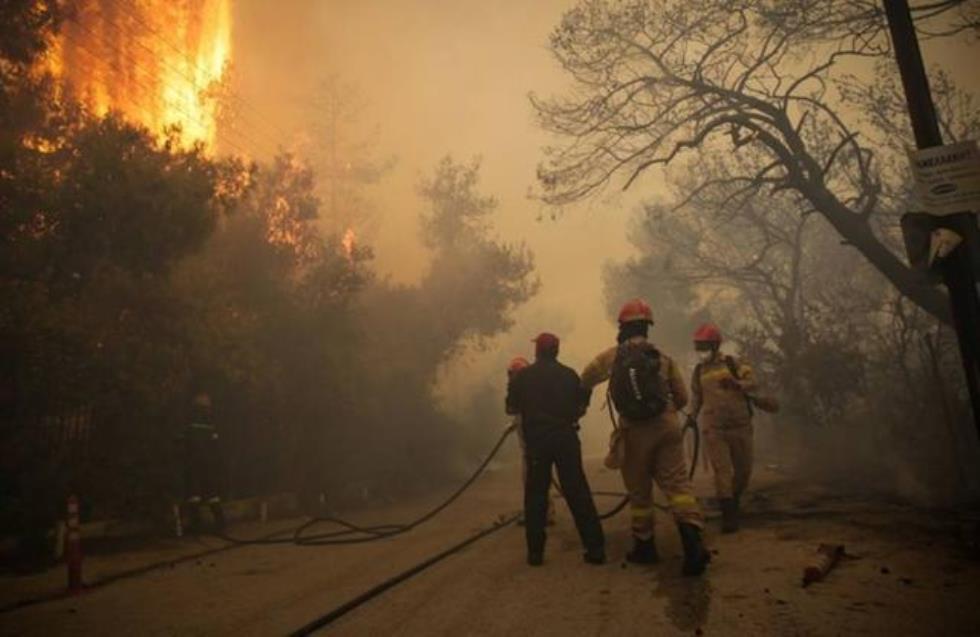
x=828, y=555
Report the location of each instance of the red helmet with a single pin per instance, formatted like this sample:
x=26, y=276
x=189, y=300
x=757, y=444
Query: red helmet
x=636, y=310
x=517, y=364
x=709, y=333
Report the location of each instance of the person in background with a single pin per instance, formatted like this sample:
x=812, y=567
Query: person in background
x=202, y=467
x=722, y=388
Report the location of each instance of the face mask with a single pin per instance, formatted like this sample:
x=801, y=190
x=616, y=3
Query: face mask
x=705, y=355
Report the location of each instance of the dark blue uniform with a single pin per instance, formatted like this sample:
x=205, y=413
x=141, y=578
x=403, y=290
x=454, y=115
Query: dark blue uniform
x=550, y=400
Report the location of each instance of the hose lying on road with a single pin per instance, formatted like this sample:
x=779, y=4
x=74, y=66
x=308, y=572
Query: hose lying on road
x=338, y=612
x=377, y=532
x=350, y=533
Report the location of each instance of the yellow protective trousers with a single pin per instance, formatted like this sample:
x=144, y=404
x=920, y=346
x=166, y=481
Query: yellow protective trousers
x=654, y=452
x=730, y=453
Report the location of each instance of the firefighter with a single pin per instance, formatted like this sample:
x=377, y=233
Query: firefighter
x=201, y=463
x=517, y=364
x=722, y=388
x=647, y=390
x=549, y=399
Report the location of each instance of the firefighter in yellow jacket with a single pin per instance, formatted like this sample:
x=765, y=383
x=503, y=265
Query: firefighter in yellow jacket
x=647, y=391
x=722, y=387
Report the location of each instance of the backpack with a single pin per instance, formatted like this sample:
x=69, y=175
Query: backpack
x=637, y=387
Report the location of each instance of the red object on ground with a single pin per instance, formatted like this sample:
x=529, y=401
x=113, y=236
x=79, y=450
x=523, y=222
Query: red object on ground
x=73, y=547
x=826, y=559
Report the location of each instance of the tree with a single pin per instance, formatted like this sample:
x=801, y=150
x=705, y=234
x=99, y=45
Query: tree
x=774, y=277
x=864, y=20
x=136, y=272
x=657, y=80
x=468, y=295
x=97, y=214
x=343, y=156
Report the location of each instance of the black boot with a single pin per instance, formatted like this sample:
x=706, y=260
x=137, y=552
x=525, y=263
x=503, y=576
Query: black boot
x=535, y=558
x=644, y=552
x=595, y=556
x=729, y=515
x=696, y=557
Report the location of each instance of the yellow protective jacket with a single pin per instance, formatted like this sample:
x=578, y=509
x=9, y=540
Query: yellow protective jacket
x=720, y=399
x=599, y=370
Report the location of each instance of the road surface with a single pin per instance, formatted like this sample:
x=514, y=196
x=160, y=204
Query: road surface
x=907, y=575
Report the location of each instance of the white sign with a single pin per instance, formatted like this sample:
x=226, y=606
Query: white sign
x=947, y=178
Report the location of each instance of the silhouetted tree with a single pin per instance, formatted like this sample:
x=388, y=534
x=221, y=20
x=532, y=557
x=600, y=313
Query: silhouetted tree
x=657, y=80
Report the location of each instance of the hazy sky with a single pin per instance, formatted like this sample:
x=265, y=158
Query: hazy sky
x=440, y=77
x=452, y=76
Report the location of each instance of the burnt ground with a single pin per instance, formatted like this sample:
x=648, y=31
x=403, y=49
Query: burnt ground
x=906, y=573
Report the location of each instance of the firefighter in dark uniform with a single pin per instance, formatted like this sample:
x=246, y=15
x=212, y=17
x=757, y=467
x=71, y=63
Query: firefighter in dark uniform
x=202, y=464
x=549, y=398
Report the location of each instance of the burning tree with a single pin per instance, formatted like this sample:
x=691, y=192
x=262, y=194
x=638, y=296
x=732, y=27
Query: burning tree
x=139, y=269
x=161, y=64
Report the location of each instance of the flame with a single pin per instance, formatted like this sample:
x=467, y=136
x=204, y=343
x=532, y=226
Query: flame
x=348, y=243
x=159, y=63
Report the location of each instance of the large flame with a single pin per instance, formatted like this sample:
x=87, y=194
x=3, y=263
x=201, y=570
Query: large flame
x=159, y=62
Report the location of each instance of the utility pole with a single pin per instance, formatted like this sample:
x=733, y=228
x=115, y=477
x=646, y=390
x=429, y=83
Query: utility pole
x=958, y=268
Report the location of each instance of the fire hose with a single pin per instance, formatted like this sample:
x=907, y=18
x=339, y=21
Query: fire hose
x=351, y=533
x=341, y=610
x=348, y=534
x=691, y=423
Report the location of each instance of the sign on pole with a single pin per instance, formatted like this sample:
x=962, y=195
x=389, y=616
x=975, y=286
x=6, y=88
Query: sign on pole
x=947, y=178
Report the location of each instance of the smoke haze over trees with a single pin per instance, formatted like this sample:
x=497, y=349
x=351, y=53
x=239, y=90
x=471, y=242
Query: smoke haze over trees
x=779, y=128
x=137, y=272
